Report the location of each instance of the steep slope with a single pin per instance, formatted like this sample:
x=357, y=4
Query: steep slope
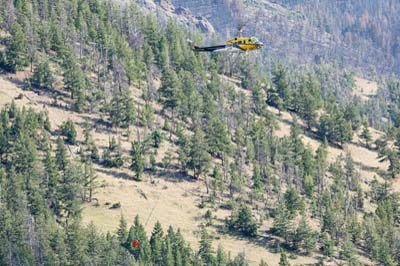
x=357, y=35
x=267, y=162
x=163, y=198
x=157, y=198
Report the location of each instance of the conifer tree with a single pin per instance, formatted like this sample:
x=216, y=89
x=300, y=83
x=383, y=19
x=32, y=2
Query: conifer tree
x=137, y=164
x=156, y=244
x=43, y=76
x=327, y=245
x=221, y=259
x=69, y=131
x=112, y=156
x=122, y=111
x=206, y=252
x=157, y=138
x=308, y=100
x=50, y=181
x=89, y=181
x=293, y=201
x=75, y=242
x=283, y=224
x=16, y=54
x=198, y=157
x=122, y=232
x=168, y=257
x=279, y=96
x=348, y=251
x=243, y=222
x=163, y=59
x=170, y=90
x=304, y=237
x=68, y=192
x=366, y=134
x=61, y=155
x=217, y=137
x=74, y=80
x=283, y=260
x=137, y=232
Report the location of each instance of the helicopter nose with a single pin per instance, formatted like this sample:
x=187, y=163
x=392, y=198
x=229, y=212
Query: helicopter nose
x=259, y=45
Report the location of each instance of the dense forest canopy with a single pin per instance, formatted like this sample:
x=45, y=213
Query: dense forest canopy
x=126, y=69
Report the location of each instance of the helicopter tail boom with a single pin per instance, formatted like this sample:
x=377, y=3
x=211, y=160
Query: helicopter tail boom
x=218, y=48
x=209, y=48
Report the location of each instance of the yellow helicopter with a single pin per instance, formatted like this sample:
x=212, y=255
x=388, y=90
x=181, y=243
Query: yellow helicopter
x=238, y=44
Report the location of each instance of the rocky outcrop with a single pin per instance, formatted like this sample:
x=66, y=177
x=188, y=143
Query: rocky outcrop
x=166, y=9
x=219, y=12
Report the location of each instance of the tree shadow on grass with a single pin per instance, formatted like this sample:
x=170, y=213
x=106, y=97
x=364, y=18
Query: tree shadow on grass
x=115, y=173
x=174, y=176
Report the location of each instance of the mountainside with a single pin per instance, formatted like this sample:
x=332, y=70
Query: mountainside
x=121, y=145
x=359, y=34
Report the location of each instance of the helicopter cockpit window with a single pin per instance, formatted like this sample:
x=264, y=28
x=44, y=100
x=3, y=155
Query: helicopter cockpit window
x=254, y=39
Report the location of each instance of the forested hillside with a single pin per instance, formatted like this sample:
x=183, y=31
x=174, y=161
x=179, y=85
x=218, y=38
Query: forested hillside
x=103, y=104
x=358, y=34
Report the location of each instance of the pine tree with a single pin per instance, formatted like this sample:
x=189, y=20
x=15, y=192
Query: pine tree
x=16, y=54
x=206, y=252
x=240, y=260
x=68, y=192
x=89, y=181
x=56, y=37
x=156, y=243
x=122, y=232
x=50, y=181
x=68, y=130
x=243, y=222
x=163, y=59
x=279, y=96
x=43, y=76
x=157, y=138
x=283, y=260
x=283, y=224
x=293, y=201
x=74, y=80
x=168, y=258
x=308, y=100
x=217, y=183
x=122, y=111
x=199, y=158
x=112, y=156
x=217, y=137
x=221, y=259
x=61, y=155
x=327, y=245
x=24, y=154
x=348, y=252
x=170, y=90
x=304, y=237
x=137, y=164
x=75, y=242
x=257, y=183
x=137, y=232
x=366, y=134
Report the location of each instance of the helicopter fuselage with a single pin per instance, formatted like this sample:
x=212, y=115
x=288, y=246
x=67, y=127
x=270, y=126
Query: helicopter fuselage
x=246, y=43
